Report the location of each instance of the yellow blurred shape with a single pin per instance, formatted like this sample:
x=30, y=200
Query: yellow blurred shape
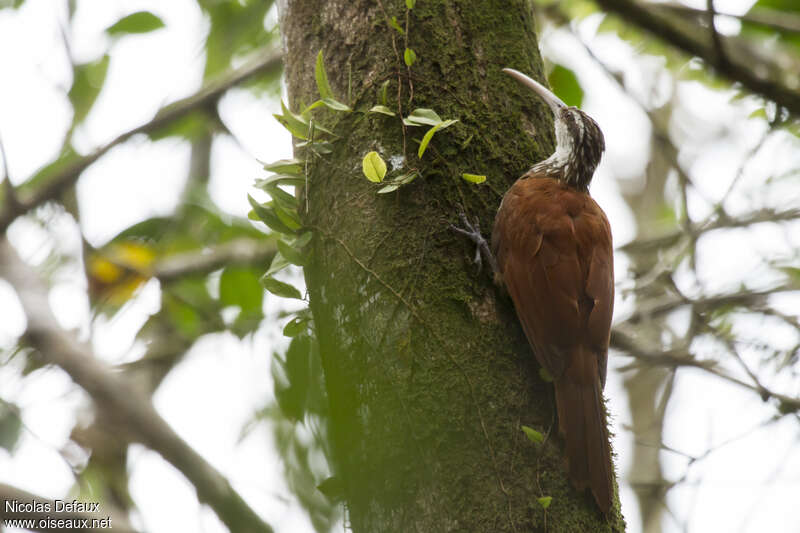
x=118, y=270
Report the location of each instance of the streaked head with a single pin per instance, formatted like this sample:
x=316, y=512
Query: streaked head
x=579, y=141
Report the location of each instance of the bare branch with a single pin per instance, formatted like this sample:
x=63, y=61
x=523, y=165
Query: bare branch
x=681, y=357
x=705, y=303
x=666, y=30
x=66, y=177
x=721, y=221
x=125, y=406
x=240, y=251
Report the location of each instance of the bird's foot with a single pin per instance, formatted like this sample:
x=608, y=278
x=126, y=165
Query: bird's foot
x=473, y=232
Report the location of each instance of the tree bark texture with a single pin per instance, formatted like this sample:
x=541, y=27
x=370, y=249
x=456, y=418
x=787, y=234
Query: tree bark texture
x=428, y=373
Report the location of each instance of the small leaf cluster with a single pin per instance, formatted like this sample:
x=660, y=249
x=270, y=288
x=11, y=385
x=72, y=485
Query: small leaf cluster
x=282, y=213
x=374, y=166
x=536, y=437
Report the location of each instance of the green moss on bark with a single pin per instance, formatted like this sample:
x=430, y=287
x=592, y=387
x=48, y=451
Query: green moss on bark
x=428, y=373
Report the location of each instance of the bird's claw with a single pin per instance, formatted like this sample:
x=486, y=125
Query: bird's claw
x=474, y=233
x=478, y=261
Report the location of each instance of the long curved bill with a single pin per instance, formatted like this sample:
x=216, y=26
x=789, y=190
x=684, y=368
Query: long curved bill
x=550, y=99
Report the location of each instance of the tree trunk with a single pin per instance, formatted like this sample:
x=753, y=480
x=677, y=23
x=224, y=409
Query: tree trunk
x=429, y=375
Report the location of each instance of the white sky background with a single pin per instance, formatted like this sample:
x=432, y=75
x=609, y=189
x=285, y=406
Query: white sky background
x=750, y=485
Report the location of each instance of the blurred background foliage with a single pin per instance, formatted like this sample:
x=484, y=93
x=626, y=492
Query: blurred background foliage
x=707, y=265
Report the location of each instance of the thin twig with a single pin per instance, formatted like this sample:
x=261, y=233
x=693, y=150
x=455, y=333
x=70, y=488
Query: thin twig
x=408, y=68
x=705, y=303
x=718, y=221
x=681, y=357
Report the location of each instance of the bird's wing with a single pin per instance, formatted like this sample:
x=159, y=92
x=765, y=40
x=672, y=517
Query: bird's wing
x=600, y=289
x=558, y=270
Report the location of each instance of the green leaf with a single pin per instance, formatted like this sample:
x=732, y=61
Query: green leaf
x=282, y=179
x=139, y=22
x=473, y=178
x=295, y=124
x=240, y=287
x=422, y=117
x=268, y=214
x=298, y=125
x=285, y=200
x=389, y=188
x=303, y=240
x=295, y=326
x=291, y=254
x=374, y=167
x=288, y=217
x=335, y=105
x=323, y=86
x=533, y=435
x=399, y=181
x=409, y=56
x=279, y=288
x=565, y=85
x=759, y=113
x=405, y=179
x=316, y=128
x=87, y=81
x=545, y=501
x=183, y=299
x=278, y=263
x=382, y=109
x=545, y=375
x=286, y=166
x=394, y=24
x=429, y=135
x=235, y=29
x=318, y=103
x=410, y=4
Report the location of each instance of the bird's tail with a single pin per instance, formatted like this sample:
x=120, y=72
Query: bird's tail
x=582, y=424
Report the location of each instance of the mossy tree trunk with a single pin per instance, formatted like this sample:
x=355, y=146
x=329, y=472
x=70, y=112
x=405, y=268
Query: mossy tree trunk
x=428, y=372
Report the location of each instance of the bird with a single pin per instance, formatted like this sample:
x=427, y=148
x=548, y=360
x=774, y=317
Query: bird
x=551, y=248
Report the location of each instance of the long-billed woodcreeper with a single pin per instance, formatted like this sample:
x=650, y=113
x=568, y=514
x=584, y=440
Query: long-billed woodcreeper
x=551, y=249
